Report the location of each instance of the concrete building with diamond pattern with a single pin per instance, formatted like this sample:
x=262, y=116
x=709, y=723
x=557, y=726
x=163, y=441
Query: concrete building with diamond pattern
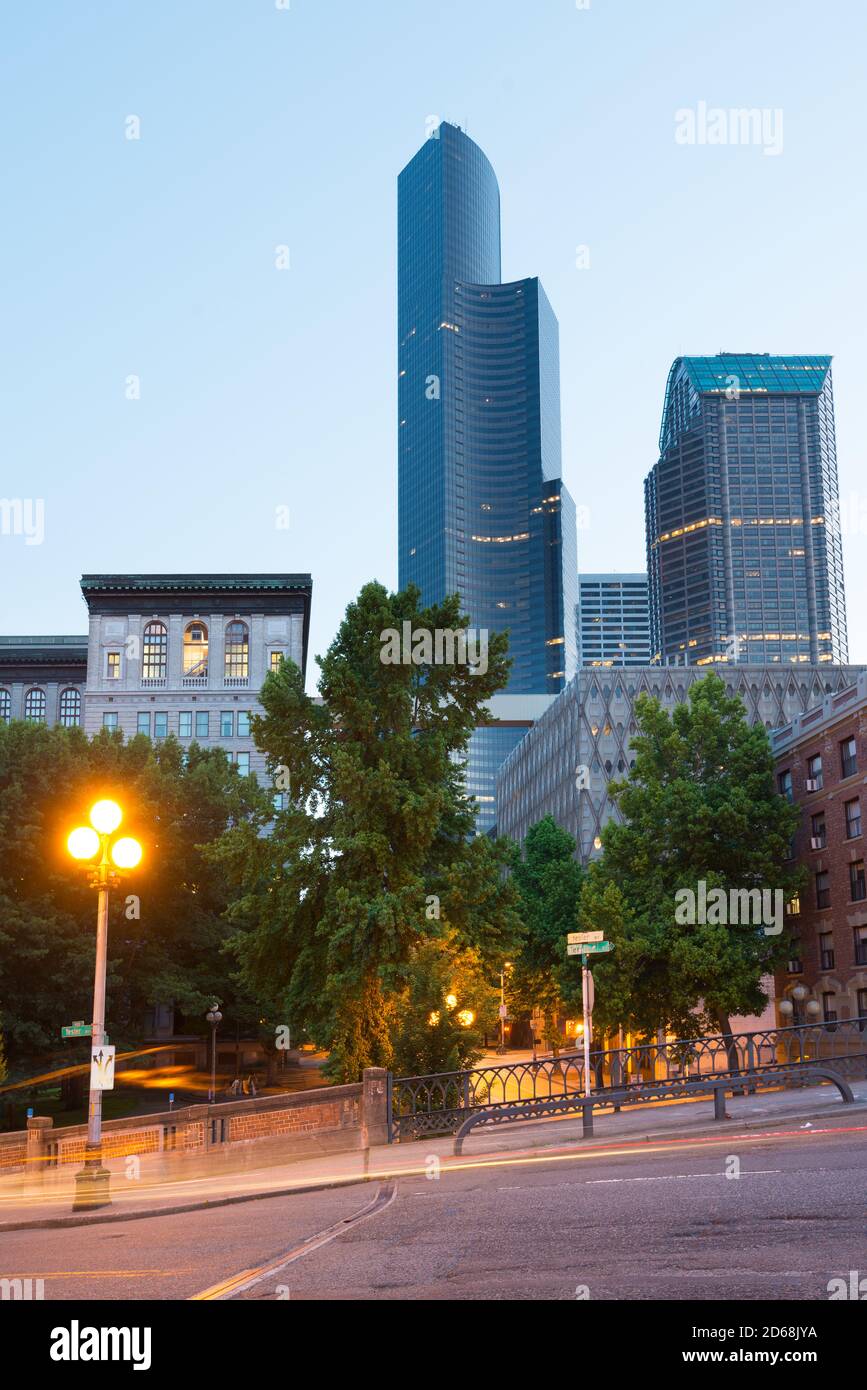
x=563, y=766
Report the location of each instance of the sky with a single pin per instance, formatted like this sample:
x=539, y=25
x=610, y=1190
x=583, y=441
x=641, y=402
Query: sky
x=199, y=324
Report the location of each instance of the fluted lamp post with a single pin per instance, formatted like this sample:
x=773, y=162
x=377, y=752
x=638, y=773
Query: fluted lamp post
x=96, y=846
x=215, y=1018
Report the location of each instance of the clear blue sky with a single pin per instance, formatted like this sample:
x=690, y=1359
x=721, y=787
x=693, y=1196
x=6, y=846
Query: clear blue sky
x=263, y=388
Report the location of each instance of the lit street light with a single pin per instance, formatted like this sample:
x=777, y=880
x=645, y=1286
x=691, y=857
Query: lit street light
x=85, y=843
x=507, y=965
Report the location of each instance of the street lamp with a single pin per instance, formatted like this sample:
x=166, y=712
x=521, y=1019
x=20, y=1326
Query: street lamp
x=85, y=843
x=507, y=965
x=214, y=1017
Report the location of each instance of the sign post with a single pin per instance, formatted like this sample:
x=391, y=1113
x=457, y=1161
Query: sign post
x=588, y=1016
x=585, y=944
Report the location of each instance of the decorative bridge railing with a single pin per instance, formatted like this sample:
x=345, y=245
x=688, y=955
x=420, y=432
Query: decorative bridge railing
x=439, y=1104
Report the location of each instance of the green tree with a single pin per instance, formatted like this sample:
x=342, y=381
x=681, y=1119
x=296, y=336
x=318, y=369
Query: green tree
x=433, y=1031
x=548, y=879
x=166, y=922
x=373, y=852
x=699, y=806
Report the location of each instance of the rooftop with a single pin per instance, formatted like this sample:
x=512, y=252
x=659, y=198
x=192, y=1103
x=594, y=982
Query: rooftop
x=757, y=371
x=154, y=583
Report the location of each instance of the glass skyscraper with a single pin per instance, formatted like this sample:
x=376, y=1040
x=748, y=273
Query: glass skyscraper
x=613, y=620
x=742, y=514
x=482, y=510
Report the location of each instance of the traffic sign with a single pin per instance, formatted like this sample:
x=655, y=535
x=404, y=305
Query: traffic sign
x=77, y=1030
x=575, y=937
x=102, y=1069
x=589, y=948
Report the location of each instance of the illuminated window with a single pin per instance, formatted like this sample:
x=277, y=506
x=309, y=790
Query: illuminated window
x=196, y=650
x=34, y=706
x=154, y=645
x=237, y=664
x=276, y=659
x=112, y=666
x=70, y=707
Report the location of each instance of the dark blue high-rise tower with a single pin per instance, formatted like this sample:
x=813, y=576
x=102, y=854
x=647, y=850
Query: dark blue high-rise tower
x=742, y=512
x=482, y=508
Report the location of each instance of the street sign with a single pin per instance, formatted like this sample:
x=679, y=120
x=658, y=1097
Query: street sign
x=77, y=1030
x=503, y=1011
x=589, y=948
x=575, y=937
x=102, y=1069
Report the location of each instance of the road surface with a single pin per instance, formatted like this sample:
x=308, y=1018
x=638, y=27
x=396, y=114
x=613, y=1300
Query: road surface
x=647, y=1224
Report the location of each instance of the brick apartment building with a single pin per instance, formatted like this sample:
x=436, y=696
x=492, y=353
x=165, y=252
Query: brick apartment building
x=821, y=763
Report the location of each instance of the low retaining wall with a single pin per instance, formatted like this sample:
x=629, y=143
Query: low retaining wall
x=240, y=1133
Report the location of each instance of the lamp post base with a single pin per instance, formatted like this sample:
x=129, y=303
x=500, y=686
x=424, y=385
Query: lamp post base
x=92, y=1186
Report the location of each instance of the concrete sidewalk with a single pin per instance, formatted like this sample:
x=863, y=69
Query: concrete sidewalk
x=28, y=1205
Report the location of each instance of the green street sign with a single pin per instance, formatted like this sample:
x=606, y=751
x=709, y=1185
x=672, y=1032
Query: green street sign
x=77, y=1030
x=589, y=948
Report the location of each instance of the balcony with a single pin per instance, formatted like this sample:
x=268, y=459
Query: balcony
x=153, y=682
x=236, y=682
x=194, y=682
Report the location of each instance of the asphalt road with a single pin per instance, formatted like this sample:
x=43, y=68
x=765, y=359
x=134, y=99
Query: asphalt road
x=667, y=1223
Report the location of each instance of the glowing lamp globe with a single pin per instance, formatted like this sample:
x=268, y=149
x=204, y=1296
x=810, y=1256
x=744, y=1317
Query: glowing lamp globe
x=126, y=852
x=106, y=816
x=83, y=843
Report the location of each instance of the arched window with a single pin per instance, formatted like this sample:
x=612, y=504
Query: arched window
x=70, y=707
x=237, y=652
x=5, y=706
x=153, y=656
x=196, y=651
x=34, y=706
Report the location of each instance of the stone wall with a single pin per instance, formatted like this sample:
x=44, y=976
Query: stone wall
x=329, y=1119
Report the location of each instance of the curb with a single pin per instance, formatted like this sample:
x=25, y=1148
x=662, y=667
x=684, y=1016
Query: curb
x=211, y=1203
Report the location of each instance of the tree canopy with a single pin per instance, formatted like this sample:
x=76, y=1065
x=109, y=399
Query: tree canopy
x=699, y=807
x=166, y=924
x=373, y=853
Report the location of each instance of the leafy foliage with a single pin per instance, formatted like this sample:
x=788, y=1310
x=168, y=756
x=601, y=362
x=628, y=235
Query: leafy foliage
x=548, y=879
x=166, y=927
x=700, y=804
x=373, y=854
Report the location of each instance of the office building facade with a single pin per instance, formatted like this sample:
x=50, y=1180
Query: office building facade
x=613, y=620
x=43, y=679
x=482, y=510
x=821, y=766
x=742, y=514
x=180, y=655
x=580, y=744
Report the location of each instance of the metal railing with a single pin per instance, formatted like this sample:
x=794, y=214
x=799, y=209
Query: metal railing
x=439, y=1104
